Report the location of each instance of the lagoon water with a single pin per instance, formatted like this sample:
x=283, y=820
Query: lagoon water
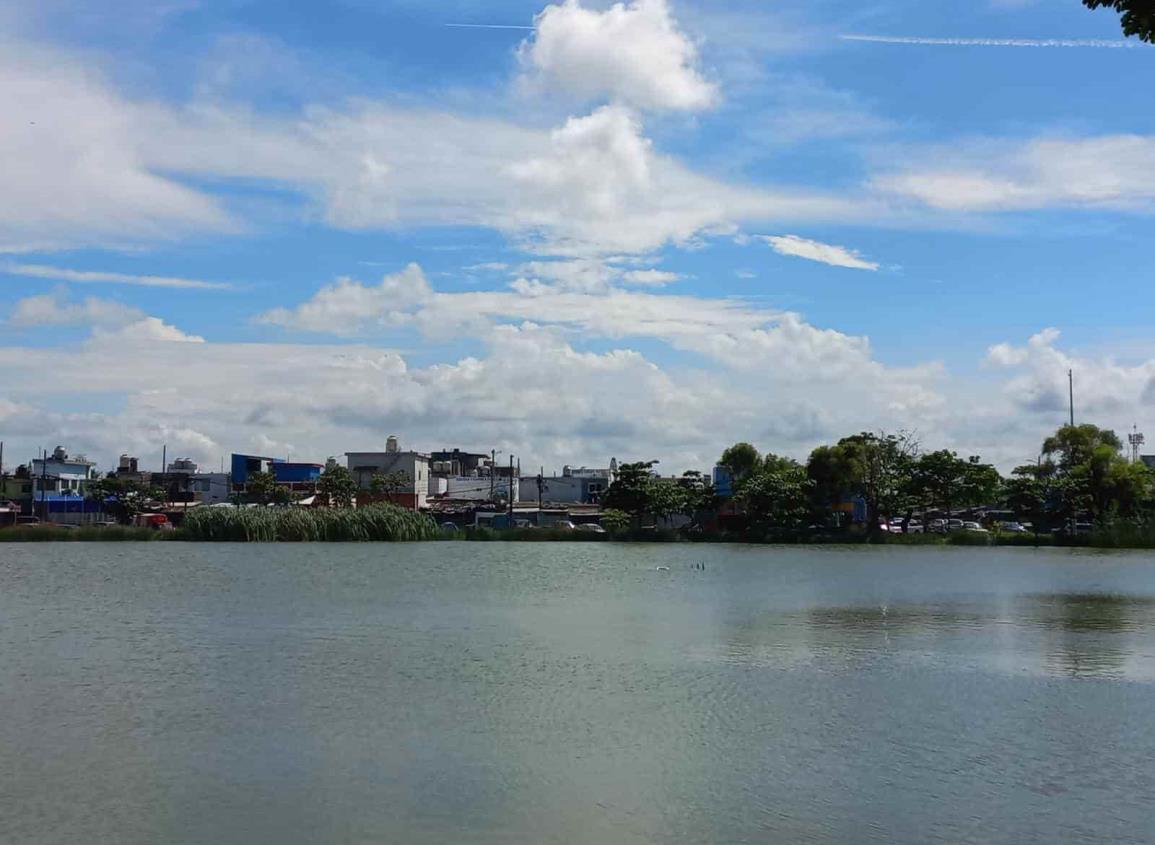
x=574, y=693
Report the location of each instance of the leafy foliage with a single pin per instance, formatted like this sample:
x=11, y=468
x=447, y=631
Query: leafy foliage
x=373, y=523
x=121, y=498
x=261, y=487
x=389, y=483
x=1138, y=16
x=337, y=486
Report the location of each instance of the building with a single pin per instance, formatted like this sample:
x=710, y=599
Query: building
x=209, y=488
x=243, y=466
x=575, y=485
x=412, y=467
x=297, y=476
x=60, y=488
x=460, y=464
x=477, y=488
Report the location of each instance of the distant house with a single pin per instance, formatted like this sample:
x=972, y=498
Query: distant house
x=414, y=466
x=60, y=488
x=575, y=485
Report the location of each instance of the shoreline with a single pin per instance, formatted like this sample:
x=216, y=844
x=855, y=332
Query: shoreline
x=47, y=534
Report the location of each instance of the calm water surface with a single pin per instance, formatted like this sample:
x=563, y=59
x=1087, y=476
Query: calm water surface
x=557, y=693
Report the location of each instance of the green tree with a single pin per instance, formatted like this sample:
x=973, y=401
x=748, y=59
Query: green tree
x=388, y=484
x=122, y=499
x=631, y=490
x=777, y=496
x=741, y=459
x=336, y=484
x=615, y=520
x=1097, y=479
x=831, y=479
x=261, y=487
x=879, y=468
x=1138, y=16
x=697, y=493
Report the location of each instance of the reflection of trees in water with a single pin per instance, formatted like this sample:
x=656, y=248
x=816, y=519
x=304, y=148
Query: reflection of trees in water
x=1087, y=632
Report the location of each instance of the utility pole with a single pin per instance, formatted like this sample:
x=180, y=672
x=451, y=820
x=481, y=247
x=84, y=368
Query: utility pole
x=511, y=491
x=164, y=458
x=1071, y=394
x=540, y=490
x=492, y=470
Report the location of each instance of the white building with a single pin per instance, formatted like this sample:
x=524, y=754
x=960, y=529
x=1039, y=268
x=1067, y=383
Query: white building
x=414, y=465
x=60, y=474
x=575, y=485
x=477, y=488
x=209, y=487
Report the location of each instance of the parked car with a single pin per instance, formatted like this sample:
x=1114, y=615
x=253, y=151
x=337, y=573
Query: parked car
x=955, y=525
x=564, y=525
x=912, y=527
x=937, y=526
x=449, y=526
x=591, y=528
x=523, y=523
x=1012, y=527
x=973, y=526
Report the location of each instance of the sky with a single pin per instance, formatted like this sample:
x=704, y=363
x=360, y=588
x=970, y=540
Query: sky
x=570, y=232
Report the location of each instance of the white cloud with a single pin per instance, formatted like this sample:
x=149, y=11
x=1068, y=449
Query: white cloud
x=43, y=271
x=108, y=319
x=1108, y=392
x=614, y=402
x=80, y=177
x=1111, y=171
x=632, y=53
x=53, y=309
x=837, y=256
x=148, y=329
x=650, y=278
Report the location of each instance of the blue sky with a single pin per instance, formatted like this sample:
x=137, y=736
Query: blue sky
x=643, y=230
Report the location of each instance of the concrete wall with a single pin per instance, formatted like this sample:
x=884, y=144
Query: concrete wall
x=364, y=465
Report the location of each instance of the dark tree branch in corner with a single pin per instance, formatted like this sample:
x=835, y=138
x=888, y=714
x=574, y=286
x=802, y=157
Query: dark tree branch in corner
x=1138, y=16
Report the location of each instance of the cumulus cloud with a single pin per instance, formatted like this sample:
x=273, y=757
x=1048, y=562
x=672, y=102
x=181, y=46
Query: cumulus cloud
x=1111, y=171
x=594, y=185
x=836, y=256
x=631, y=53
x=1107, y=391
x=614, y=402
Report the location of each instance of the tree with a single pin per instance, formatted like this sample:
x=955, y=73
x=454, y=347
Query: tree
x=778, y=495
x=831, y=479
x=122, y=499
x=877, y=467
x=1138, y=16
x=615, y=520
x=261, y=487
x=1097, y=479
x=337, y=485
x=697, y=493
x=630, y=491
x=741, y=459
x=388, y=484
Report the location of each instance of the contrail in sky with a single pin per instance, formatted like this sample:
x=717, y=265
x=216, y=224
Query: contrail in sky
x=487, y=26
x=993, y=42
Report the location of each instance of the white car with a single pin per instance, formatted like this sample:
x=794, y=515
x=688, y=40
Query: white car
x=975, y=527
x=591, y=528
x=563, y=525
x=1013, y=528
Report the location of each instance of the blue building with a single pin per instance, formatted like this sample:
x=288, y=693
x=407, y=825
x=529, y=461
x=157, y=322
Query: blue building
x=723, y=481
x=288, y=472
